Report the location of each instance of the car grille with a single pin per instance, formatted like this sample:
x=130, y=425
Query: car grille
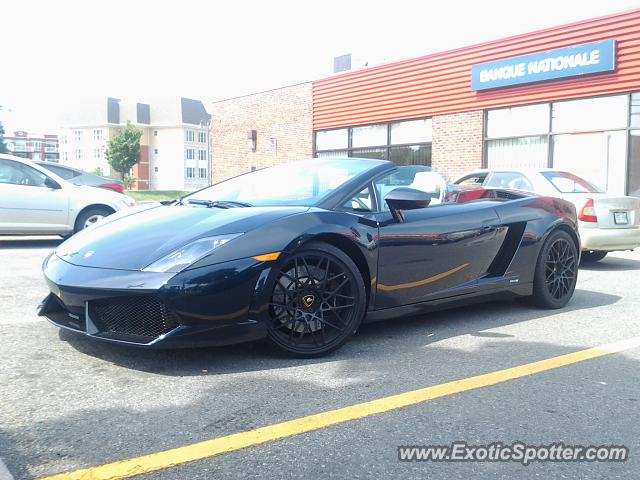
x=139, y=315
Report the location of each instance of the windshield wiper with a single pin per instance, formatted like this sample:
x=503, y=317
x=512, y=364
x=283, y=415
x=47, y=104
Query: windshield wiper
x=218, y=203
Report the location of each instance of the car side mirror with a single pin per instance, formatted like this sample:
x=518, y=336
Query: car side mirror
x=51, y=183
x=405, y=198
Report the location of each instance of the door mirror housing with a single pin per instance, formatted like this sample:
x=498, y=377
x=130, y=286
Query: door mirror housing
x=405, y=198
x=51, y=183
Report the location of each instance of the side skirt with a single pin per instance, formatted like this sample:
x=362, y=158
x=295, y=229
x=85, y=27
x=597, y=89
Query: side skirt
x=522, y=290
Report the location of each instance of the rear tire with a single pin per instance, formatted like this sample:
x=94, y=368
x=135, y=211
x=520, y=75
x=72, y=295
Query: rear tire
x=89, y=217
x=590, y=256
x=317, y=302
x=556, y=271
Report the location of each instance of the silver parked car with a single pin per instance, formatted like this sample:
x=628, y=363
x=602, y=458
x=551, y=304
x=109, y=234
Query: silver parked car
x=607, y=222
x=35, y=201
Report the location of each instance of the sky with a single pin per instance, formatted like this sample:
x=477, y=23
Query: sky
x=57, y=54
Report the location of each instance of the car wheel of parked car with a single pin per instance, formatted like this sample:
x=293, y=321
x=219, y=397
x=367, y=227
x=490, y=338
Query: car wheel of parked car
x=317, y=303
x=556, y=271
x=589, y=256
x=89, y=217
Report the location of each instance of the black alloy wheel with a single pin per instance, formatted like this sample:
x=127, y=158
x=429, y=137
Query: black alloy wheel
x=560, y=268
x=317, y=303
x=556, y=271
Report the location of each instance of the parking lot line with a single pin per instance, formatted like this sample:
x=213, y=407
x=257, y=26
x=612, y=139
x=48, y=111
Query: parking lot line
x=229, y=443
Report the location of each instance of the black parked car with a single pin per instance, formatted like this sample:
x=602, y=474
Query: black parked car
x=301, y=254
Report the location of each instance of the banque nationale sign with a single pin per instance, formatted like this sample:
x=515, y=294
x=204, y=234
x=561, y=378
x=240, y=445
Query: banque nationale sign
x=583, y=59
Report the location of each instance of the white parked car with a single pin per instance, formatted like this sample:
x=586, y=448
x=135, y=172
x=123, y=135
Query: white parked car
x=607, y=222
x=35, y=201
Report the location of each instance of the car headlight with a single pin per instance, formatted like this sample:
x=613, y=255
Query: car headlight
x=181, y=258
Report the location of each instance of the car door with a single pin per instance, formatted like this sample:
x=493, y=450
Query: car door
x=29, y=203
x=435, y=252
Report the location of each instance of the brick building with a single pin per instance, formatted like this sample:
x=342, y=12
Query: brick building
x=565, y=97
x=33, y=146
x=260, y=130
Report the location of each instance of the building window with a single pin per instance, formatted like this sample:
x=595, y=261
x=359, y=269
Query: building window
x=65, y=156
x=202, y=172
x=77, y=135
x=414, y=131
x=50, y=147
x=411, y=155
x=202, y=137
x=190, y=154
x=97, y=153
x=404, y=143
x=590, y=114
x=37, y=145
x=155, y=133
x=587, y=137
x=332, y=139
x=518, y=121
x=369, y=135
x=189, y=136
x=520, y=152
x=155, y=151
x=64, y=139
x=155, y=169
x=97, y=134
x=191, y=172
x=78, y=154
x=202, y=154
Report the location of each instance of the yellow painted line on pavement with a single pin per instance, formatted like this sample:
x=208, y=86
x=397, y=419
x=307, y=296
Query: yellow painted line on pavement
x=229, y=443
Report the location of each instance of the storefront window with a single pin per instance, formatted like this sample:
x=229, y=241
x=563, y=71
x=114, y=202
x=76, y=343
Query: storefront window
x=332, y=139
x=410, y=142
x=411, y=155
x=369, y=135
x=634, y=163
x=635, y=109
x=598, y=157
x=587, y=137
x=518, y=121
x=333, y=153
x=376, y=153
x=603, y=113
x=523, y=152
x=413, y=131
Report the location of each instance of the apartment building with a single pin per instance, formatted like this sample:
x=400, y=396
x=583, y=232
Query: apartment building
x=32, y=146
x=175, y=152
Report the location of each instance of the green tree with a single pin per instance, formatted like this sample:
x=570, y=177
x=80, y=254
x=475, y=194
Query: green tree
x=123, y=150
x=3, y=146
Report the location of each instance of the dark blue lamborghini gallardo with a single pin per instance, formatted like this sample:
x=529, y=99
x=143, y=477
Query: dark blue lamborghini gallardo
x=301, y=254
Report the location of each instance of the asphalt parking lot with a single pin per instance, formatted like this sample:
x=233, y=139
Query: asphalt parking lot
x=67, y=403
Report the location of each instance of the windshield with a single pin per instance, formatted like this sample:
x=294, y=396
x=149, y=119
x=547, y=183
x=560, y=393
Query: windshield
x=570, y=183
x=301, y=183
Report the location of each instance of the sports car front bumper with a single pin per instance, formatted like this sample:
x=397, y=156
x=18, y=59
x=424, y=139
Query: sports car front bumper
x=216, y=305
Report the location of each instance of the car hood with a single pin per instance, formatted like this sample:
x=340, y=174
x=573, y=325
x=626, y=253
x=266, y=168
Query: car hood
x=132, y=240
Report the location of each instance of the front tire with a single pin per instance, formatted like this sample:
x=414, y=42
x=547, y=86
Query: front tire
x=317, y=302
x=590, y=256
x=89, y=217
x=556, y=271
